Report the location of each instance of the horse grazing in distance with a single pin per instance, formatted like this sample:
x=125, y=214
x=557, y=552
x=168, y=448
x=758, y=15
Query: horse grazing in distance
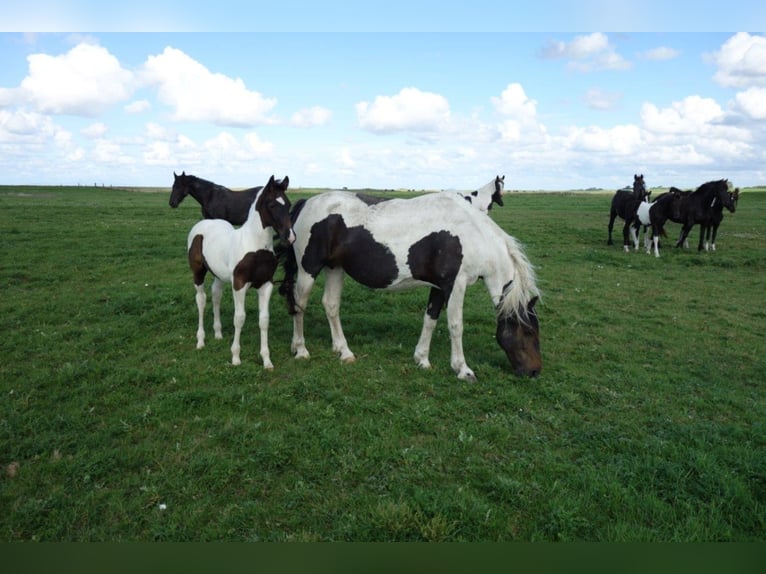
x=436, y=240
x=654, y=215
x=483, y=198
x=243, y=257
x=217, y=201
x=700, y=205
x=625, y=204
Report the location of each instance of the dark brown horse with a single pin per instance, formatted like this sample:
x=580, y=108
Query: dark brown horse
x=217, y=201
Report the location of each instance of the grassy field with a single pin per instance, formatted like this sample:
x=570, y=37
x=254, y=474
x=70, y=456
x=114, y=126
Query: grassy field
x=647, y=423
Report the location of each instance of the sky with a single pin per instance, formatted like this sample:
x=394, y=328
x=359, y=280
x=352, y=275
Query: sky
x=404, y=96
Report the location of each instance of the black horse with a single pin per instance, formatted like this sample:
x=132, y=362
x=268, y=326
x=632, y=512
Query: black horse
x=217, y=201
x=710, y=231
x=704, y=206
x=654, y=215
x=625, y=204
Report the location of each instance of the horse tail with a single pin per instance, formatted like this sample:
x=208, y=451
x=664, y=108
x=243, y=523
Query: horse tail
x=290, y=263
x=522, y=288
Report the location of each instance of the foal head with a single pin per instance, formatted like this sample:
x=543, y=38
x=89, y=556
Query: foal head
x=181, y=188
x=519, y=336
x=273, y=206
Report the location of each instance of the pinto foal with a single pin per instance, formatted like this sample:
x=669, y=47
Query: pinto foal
x=243, y=257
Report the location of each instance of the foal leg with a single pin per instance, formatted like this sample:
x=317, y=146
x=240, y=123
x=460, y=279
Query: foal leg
x=455, y=323
x=303, y=285
x=423, y=348
x=239, y=321
x=200, y=297
x=264, y=295
x=331, y=301
x=217, y=292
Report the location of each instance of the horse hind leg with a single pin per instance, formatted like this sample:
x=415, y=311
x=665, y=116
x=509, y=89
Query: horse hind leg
x=612, y=215
x=217, y=294
x=200, y=297
x=331, y=301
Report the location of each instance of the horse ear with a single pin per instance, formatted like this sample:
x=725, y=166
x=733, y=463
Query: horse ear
x=285, y=183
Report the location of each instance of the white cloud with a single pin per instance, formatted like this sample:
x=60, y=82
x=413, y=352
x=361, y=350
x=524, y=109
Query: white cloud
x=197, y=94
x=311, y=117
x=84, y=82
x=741, y=61
x=409, y=110
x=586, y=53
x=753, y=102
x=138, y=106
x=94, y=131
x=27, y=127
x=688, y=116
x=598, y=99
x=621, y=140
x=661, y=53
x=519, y=113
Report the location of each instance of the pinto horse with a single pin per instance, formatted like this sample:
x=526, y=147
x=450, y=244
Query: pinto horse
x=483, y=198
x=625, y=204
x=655, y=214
x=701, y=205
x=436, y=240
x=217, y=201
x=243, y=257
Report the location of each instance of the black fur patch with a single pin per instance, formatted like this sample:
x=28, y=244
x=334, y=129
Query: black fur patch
x=333, y=244
x=255, y=268
x=436, y=259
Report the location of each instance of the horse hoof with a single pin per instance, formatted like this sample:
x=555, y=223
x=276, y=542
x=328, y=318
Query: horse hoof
x=424, y=364
x=268, y=366
x=348, y=359
x=236, y=361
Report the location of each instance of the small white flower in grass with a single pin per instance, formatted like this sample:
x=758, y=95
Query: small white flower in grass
x=163, y=506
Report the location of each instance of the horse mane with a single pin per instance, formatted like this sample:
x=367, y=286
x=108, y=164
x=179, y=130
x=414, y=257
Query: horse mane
x=522, y=288
x=712, y=185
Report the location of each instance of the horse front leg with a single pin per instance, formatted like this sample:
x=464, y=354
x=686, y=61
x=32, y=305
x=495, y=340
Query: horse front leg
x=656, y=240
x=303, y=286
x=333, y=290
x=431, y=316
x=712, y=239
x=612, y=215
x=455, y=324
x=701, y=244
x=264, y=296
x=239, y=321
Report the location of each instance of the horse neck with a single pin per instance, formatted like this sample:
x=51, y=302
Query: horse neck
x=201, y=190
x=253, y=224
x=519, y=281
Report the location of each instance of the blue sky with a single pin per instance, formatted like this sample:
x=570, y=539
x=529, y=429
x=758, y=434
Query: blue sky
x=409, y=96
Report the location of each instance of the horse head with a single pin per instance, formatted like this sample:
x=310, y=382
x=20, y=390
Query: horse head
x=639, y=188
x=723, y=195
x=676, y=205
x=180, y=189
x=497, y=196
x=273, y=206
x=519, y=336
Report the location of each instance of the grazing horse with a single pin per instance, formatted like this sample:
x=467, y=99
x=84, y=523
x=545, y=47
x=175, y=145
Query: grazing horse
x=699, y=207
x=483, y=198
x=217, y=201
x=625, y=204
x=655, y=214
x=436, y=240
x=243, y=257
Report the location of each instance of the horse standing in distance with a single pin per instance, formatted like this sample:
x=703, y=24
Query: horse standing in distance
x=715, y=221
x=625, y=205
x=217, y=201
x=435, y=240
x=483, y=198
x=243, y=257
x=703, y=206
x=654, y=215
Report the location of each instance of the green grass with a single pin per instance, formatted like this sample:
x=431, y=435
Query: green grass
x=647, y=423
